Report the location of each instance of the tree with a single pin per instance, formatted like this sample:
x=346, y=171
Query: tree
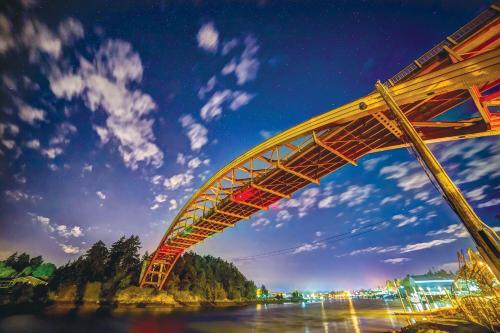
x=96, y=258
x=44, y=271
x=21, y=262
x=6, y=272
x=11, y=260
x=35, y=262
x=264, y=291
x=114, y=258
x=297, y=296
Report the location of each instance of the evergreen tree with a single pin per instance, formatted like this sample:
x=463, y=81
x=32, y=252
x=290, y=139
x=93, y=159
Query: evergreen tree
x=115, y=256
x=11, y=260
x=35, y=262
x=96, y=259
x=21, y=262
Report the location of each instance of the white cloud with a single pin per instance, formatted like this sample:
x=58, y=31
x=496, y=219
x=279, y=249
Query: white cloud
x=29, y=114
x=374, y=249
x=247, y=65
x=38, y=38
x=160, y=198
x=70, y=30
x=16, y=195
x=173, y=205
x=104, y=85
x=76, y=231
x=103, y=133
x=306, y=201
x=9, y=143
x=64, y=130
x=404, y=220
x=477, y=193
x=490, y=203
x=240, y=98
x=208, y=37
x=486, y=167
x=179, y=180
x=154, y=206
x=181, y=159
x=207, y=88
x=457, y=230
x=87, y=168
x=6, y=38
x=308, y=247
x=465, y=149
x=66, y=85
x=196, y=132
x=265, y=134
x=8, y=127
x=417, y=209
x=393, y=198
x=327, y=202
x=42, y=220
x=214, y=106
x=395, y=261
x=157, y=179
x=426, y=245
x=196, y=162
x=417, y=180
x=423, y=195
x=33, y=144
x=260, y=223
x=229, y=45
x=371, y=164
x=397, y=170
x=101, y=195
x=356, y=195
x=408, y=175
x=52, y=152
x=283, y=215
x=70, y=249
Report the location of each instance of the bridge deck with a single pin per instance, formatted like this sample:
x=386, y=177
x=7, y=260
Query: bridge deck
x=466, y=63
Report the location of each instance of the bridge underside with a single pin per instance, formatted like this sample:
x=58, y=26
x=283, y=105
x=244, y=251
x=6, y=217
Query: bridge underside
x=464, y=66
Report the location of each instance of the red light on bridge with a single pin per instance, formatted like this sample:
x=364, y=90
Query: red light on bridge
x=245, y=195
x=169, y=249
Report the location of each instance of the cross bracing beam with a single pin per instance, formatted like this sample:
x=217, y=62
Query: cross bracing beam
x=268, y=190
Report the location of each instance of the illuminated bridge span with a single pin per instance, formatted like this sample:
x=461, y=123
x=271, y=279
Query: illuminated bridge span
x=465, y=65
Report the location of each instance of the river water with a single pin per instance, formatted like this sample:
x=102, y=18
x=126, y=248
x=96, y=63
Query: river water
x=355, y=316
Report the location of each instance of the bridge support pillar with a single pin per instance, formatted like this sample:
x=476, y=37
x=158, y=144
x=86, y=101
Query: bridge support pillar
x=485, y=238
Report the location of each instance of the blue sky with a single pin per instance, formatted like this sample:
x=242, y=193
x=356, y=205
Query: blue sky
x=111, y=116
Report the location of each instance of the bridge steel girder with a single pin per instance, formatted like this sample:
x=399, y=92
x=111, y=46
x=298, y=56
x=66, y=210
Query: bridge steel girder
x=329, y=141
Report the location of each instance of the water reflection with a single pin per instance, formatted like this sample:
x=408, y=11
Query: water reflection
x=354, y=318
x=350, y=315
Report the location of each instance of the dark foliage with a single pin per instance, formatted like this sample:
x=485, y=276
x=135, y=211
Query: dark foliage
x=209, y=277
x=120, y=266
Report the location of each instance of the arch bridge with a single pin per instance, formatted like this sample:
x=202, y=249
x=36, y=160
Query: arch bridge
x=466, y=65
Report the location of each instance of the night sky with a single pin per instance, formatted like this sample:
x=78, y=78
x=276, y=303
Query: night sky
x=113, y=113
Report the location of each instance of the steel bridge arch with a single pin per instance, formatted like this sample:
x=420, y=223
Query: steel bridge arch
x=466, y=65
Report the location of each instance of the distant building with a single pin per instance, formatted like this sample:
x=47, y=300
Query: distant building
x=425, y=292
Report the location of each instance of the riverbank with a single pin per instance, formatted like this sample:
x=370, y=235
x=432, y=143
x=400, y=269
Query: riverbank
x=89, y=299
x=448, y=325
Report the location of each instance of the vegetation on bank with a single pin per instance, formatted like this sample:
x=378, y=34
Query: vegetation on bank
x=111, y=275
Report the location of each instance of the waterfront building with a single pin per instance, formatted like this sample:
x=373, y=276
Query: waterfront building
x=424, y=292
